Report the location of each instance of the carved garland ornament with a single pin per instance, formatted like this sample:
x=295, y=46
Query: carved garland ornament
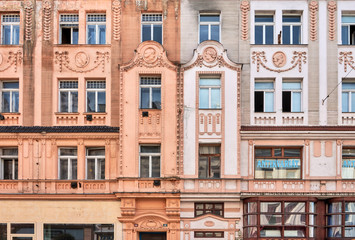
x=245, y=7
x=297, y=59
x=313, y=8
x=14, y=58
x=47, y=15
x=332, y=6
x=347, y=59
x=81, y=60
x=116, y=9
x=28, y=19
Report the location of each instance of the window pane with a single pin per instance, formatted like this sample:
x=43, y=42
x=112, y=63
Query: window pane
x=263, y=152
x=259, y=101
x=203, y=167
x=6, y=102
x=74, y=101
x=215, y=167
x=156, y=101
x=209, y=149
x=350, y=207
x=6, y=31
x=91, y=34
x=67, y=152
x=74, y=168
x=270, y=233
x=3, y=231
x=352, y=102
x=345, y=102
x=101, y=98
x=75, y=35
x=144, y=167
x=291, y=86
x=22, y=228
x=63, y=166
x=102, y=32
x=63, y=101
x=101, y=168
x=334, y=232
x=215, y=32
x=203, y=33
x=204, y=101
x=258, y=34
x=296, y=38
x=348, y=19
x=252, y=232
x=264, y=85
x=292, y=152
x=90, y=169
x=252, y=220
x=15, y=101
x=349, y=231
x=334, y=207
x=270, y=219
x=145, y=97
x=158, y=33
x=291, y=19
x=264, y=18
x=294, y=233
x=269, y=35
x=210, y=82
x=295, y=219
x=295, y=207
x=269, y=102
x=216, y=98
x=296, y=102
x=345, y=35
x=90, y=101
x=16, y=34
x=155, y=166
x=270, y=207
x=334, y=220
x=209, y=18
x=146, y=34
x=286, y=35
x=150, y=149
x=349, y=219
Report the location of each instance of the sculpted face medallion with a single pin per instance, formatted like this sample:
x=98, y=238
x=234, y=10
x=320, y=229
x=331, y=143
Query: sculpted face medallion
x=81, y=59
x=279, y=59
x=150, y=55
x=209, y=54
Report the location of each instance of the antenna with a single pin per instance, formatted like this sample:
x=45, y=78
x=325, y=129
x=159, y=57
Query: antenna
x=323, y=100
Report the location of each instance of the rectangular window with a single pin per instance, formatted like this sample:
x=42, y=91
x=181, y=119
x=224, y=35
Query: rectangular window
x=9, y=96
x=210, y=93
x=209, y=27
x=341, y=220
x=348, y=97
x=68, y=163
x=264, y=97
x=78, y=231
x=96, y=29
x=264, y=29
x=348, y=163
x=291, y=29
x=3, y=231
x=95, y=96
x=152, y=27
x=291, y=96
x=209, y=234
x=69, y=29
x=9, y=163
x=95, y=163
x=209, y=208
x=68, y=96
x=278, y=163
x=150, y=92
x=209, y=161
x=149, y=161
x=10, y=29
x=348, y=29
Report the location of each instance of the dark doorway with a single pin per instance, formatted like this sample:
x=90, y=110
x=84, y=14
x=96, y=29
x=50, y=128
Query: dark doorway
x=152, y=236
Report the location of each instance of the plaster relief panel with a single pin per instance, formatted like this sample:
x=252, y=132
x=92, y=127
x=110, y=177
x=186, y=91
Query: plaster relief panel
x=210, y=123
x=10, y=60
x=150, y=126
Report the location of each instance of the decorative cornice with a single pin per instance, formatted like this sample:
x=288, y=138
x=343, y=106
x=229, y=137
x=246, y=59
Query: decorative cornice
x=298, y=58
x=62, y=59
x=116, y=9
x=47, y=19
x=14, y=58
x=245, y=7
x=313, y=8
x=347, y=59
x=332, y=6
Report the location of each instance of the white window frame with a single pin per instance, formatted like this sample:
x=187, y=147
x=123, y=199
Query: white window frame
x=96, y=91
x=96, y=158
x=97, y=24
x=69, y=90
x=150, y=87
x=11, y=90
x=349, y=92
x=264, y=24
x=264, y=91
x=347, y=25
x=13, y=158
x=294, y=91
x=292, y=24
x=210, y=87
x=61, y=23
x=11, y=24
x=150, y=155
x=209, y=24
x=152, y=23
x=70, y=164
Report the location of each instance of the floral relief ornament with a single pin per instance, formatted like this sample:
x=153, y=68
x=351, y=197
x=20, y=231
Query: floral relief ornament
x=348, y=60
x=14, y=58
x=298, y=59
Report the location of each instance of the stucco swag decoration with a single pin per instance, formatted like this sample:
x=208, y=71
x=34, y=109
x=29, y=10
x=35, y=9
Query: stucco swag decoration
x=279, y=59
x=149, y=54
x=81, y=60
x=13, y=59
x=347, y=59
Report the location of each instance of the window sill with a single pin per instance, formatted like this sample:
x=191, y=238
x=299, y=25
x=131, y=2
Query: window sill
x=66, y=113
x=210, y=109
x=95, y=113
x=82, y=45
x=280, y=45
x=150, y=109
x=264, y=112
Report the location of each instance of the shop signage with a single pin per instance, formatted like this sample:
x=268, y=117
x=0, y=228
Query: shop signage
x=348, y=163
x=283, y=163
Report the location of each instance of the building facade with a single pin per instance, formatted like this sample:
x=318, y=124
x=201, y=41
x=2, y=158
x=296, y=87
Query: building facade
x=177, y=119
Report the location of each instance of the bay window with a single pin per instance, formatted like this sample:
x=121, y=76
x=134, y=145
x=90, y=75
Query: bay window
x=341, y=219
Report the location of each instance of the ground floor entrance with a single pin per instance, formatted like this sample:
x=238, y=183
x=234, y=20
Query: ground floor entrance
x=152, y=236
